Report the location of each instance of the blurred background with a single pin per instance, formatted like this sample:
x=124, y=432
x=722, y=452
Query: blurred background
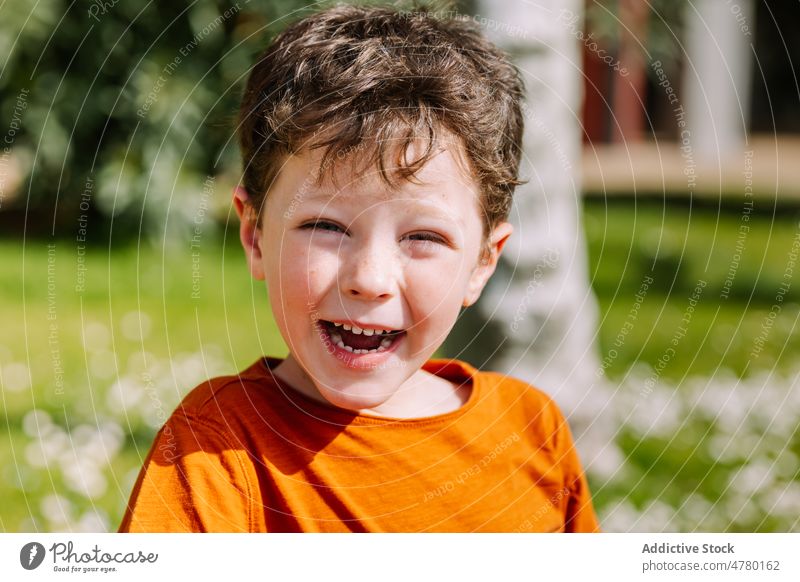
x=650, y=287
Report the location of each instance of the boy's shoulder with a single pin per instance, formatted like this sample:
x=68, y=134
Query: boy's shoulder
x=527, y=405
x=513, y=388
x=224, y=397
x=496, y=387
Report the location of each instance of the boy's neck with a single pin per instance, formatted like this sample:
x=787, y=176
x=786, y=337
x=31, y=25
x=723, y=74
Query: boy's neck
x=422, y=395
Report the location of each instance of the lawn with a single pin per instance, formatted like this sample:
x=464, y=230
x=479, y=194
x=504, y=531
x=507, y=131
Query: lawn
x=100, y=344
x=703, y=364
x=741, y=274
x=109, y=341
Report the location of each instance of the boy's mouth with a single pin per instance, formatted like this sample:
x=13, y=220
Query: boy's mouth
x=361, y=341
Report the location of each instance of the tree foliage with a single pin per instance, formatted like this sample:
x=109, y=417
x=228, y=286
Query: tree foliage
x=129, y=104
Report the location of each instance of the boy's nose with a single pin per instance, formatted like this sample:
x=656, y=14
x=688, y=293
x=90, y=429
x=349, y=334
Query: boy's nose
x=370, y=273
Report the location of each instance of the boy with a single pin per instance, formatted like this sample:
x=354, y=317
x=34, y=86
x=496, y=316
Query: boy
x=381, y=151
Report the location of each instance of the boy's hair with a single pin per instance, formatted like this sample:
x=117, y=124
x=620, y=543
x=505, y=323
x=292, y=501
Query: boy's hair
x=354, y=76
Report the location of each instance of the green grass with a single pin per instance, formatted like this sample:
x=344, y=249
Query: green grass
x=140, y=312
x=678, y=247
x=222, y=325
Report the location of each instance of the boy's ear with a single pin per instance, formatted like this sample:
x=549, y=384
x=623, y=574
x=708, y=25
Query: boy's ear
x=488, y=262
x=249, y=232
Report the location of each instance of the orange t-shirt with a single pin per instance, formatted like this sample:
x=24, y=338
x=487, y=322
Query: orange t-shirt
x=247, y=453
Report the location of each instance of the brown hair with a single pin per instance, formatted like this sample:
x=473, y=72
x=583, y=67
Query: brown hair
x=351, y=75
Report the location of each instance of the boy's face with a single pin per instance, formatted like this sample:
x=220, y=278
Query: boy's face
x=360, y=257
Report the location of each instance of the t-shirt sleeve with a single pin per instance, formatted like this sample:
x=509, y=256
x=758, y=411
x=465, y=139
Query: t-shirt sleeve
x=196, y=478
x=579, y=514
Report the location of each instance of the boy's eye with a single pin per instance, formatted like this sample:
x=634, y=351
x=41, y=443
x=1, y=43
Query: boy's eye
x=328, y=226
x=427, y=237
x=322, y=225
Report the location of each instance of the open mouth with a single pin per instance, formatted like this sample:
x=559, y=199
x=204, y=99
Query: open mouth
x=361, y=341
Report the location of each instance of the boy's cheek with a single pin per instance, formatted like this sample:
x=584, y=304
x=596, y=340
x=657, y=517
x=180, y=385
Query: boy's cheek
x=310, y=275
x=439, y=283
x=299, y=288
x=438, y=302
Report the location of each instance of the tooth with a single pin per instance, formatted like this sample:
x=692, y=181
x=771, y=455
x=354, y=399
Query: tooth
x=335, y=337
x=348, y=348
x=337, y=324
x=386, y=342
x=368, y=331
x=340, y=343
x=357, y=330
x=381, y=349
x=346, y=327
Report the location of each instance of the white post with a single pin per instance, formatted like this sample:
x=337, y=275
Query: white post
x=716, y=78
x=542, y=298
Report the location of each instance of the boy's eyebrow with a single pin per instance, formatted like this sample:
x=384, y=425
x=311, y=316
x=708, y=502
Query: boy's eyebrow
x=428, y=209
